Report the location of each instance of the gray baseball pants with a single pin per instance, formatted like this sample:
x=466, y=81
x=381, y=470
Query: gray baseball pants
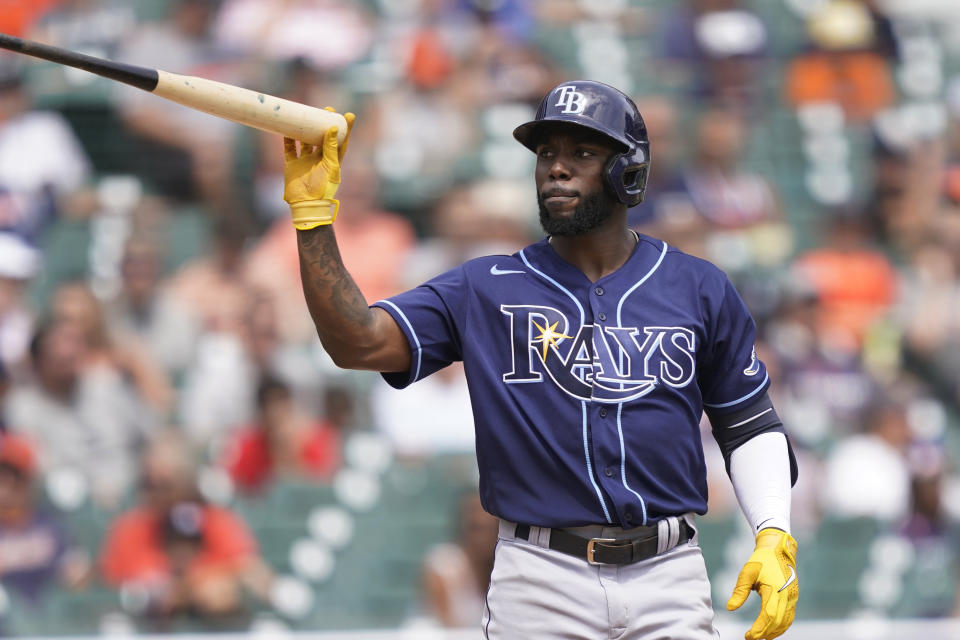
x=540, y=594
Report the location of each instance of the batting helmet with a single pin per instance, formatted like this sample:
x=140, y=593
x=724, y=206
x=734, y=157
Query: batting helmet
x=601, y=108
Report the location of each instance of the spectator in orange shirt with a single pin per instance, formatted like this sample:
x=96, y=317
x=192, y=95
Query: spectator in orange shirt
x=854, y=282
x=281, y=442
x=846, y=62
x=183, y=556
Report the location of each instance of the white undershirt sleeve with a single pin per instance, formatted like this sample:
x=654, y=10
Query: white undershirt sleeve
x=760, y=473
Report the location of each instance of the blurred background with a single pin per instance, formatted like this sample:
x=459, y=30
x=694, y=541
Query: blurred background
x=178, y=453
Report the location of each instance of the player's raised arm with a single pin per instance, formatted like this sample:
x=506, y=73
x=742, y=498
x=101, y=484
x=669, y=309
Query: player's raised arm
x=355, y=335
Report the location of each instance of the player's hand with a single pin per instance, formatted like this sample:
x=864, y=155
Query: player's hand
x=312, y=176
x=771, y=571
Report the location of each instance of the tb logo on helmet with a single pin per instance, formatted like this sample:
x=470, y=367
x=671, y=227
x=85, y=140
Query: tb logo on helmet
x=571, y=100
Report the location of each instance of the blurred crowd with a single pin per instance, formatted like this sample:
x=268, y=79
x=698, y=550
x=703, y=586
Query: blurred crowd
x=157, y=359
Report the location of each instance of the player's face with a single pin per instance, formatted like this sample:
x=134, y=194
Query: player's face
x=569, y=177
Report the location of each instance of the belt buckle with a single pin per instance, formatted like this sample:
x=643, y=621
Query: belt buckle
x=591, y=549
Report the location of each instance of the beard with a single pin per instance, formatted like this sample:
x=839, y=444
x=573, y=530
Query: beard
x=591, y=212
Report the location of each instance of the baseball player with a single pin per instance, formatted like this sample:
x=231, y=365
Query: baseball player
x=590, y=357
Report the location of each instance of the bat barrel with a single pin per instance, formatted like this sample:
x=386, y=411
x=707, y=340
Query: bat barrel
x=251, y=108
x=140, y=77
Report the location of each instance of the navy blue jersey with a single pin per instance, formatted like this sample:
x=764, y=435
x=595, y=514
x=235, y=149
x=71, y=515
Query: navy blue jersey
x=587, y=396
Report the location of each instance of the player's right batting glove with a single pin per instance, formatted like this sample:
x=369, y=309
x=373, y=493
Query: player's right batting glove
x=771, y=571
x=313, y=176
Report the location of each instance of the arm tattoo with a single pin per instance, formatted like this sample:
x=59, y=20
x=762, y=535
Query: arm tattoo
x=334, y=300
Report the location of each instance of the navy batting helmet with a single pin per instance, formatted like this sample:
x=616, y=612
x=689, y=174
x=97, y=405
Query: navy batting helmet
x=602, y=108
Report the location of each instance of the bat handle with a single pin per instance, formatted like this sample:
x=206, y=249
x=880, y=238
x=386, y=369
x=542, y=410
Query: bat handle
x=140, y=77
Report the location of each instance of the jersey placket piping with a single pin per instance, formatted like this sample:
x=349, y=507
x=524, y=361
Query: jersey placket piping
x=583, y=404
x=623, y=453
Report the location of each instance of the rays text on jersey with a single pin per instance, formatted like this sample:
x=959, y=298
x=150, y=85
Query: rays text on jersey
x=597, y=362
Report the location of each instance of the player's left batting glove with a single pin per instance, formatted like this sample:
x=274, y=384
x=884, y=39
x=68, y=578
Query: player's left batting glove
x=313, y=176
x=771, y=571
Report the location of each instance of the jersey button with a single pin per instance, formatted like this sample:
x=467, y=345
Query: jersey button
x=598, y=291
x=609, y=472
x=603, y=412
x=628, y=516
x=602, y=316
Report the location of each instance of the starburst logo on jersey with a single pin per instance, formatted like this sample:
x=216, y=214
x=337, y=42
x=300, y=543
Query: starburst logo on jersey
x=599, y=363
x=548, y=336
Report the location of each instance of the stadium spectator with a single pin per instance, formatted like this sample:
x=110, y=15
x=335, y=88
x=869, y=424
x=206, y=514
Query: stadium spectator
x=715, y=49
x=19, y=262
x=183, y=153
x=724, y=192
x=281, y=443
x=415, y=168
x=35, y=551
x=726, y=212
x=511, y=19
x=145, y=311
x=219, y=388
x=846, y=62
x=823, y=382
x=927, y=518
x=455, y=575
x=446, y=428
x=280, y=30
x=95, y=27
x=868, y=474
x=905, y=193
x=37, y=185
x=934, y=536
x=74, y=303
x=929, y=312
x=84, y=420
x=470, y=219
x=178, y=555
x=663, y=194
x=855, y=282
x=340, y=407
x=215, y=285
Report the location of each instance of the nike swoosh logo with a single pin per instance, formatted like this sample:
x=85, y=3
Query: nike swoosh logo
x=760, y=526
x=495, y=271
x=790, y=580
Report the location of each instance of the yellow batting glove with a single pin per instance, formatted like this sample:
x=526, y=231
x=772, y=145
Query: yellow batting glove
x=312, y=176
x=771, y=571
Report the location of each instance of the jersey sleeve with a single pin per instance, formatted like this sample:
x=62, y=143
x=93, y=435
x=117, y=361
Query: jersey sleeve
x=428, y=316
x=732, y=374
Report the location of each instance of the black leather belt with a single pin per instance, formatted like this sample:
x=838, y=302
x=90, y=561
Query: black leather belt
x=608, y=550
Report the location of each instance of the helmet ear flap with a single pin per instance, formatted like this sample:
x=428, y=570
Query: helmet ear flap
x=626, y=178
x=635, y=179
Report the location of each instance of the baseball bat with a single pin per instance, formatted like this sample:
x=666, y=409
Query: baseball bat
x=254, y=109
